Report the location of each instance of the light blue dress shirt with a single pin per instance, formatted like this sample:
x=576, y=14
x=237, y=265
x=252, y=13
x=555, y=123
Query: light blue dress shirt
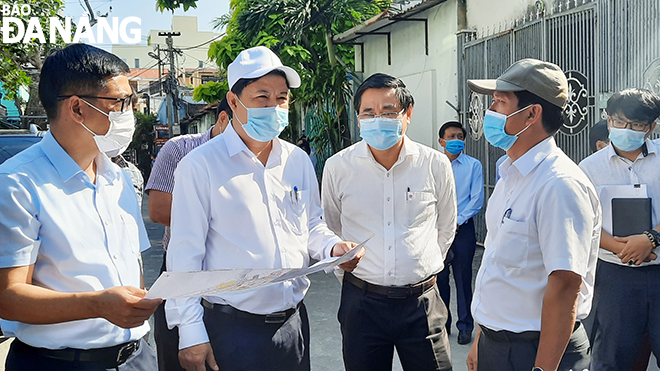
x=469, y=186
x=80, y=236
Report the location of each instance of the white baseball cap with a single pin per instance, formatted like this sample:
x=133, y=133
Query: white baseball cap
x=256, y=62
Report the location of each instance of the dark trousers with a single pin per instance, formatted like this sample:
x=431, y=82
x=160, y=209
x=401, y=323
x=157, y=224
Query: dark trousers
x=144, y=359
x=372, y=325
x=626, y=305
x=508, y=351
x=242, y=344
x=463, y=249
x=167, y=341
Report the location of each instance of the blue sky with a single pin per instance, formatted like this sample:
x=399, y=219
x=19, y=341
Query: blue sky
x=146, y=10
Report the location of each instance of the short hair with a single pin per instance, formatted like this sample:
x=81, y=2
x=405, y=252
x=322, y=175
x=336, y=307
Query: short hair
x=451, y=124
x=552, y=116
x=223, y=106
x=598, y=132
x=636, y=104
x=384, y=81
x=77, y=69
x=240, y=84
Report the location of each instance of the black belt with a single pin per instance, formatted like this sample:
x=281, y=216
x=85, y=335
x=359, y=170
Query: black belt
x=110, y=357
x=276, y=317
x=505, y=336
x=391, y=292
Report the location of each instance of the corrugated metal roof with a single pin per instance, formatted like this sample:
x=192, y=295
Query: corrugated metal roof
x=397, y=11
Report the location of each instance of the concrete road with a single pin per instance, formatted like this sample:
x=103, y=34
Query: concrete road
x=322, y=302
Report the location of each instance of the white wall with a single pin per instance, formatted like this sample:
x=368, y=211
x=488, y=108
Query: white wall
x=431, y=79
x=490, y=17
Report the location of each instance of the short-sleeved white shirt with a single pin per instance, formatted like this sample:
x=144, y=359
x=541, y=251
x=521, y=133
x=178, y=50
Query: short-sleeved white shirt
x=80, y=236
x=606, y=168
x=543, y=216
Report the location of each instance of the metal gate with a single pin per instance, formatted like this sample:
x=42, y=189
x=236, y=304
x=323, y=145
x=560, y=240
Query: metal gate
x=603, y=46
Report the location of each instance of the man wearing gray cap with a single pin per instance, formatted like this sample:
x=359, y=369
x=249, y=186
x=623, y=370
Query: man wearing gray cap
x=536, y=279
x=248, y=199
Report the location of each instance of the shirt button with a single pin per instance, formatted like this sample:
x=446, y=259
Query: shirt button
x=116, y=256
x=391, y=274
x=388, y=199
x=389, y=247
x=389, y=223
x=107, y=222
x=388, y=175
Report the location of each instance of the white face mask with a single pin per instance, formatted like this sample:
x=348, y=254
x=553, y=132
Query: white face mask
x=119, y=135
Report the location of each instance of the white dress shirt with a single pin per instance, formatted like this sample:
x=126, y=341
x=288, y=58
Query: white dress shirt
x=80, y=236
x=410, y=208
x=231, y=211
x=606, y=168
x=544, y=215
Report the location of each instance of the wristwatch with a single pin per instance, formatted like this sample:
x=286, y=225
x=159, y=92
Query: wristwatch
x=537, y=369
x=656, y=237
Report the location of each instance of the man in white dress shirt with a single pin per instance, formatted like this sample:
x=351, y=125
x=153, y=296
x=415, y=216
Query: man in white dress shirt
x=248, y=199
x=543, y=219
x=403, y=193
x=71, y=227
x=627, y=290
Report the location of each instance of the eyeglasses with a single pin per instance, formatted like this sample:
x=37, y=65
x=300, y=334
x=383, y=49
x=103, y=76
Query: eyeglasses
x=635, y=125
x=125, y=102
x=385, y=115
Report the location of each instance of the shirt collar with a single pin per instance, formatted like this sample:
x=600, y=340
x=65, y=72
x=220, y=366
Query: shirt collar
x=530, y=160
x=460, y=158
x=233, y=142
x=66, y=167
x=650, y=148
x=236, y=145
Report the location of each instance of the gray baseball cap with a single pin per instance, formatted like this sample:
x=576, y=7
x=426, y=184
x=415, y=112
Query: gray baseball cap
x=544, y=79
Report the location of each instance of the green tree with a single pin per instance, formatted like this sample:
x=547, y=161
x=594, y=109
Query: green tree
x=144, y=137
x=300, y=32
x=20, y=63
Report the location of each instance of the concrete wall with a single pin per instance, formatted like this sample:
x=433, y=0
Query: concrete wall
x=190, y=36
x=489, y=17
x=431, y=79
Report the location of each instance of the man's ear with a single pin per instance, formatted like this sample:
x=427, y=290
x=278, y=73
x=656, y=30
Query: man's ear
x=442, y=142
x=232, y=100
x=70, y=109
x=535, y=113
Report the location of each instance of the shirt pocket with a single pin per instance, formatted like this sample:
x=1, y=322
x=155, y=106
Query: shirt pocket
x=295, y=211
x=420, y=207
x=512, y=244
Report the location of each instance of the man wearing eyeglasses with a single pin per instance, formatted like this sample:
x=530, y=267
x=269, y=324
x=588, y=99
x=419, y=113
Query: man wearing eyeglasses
x=71, y=228
x=403, y=194
x=627, y=290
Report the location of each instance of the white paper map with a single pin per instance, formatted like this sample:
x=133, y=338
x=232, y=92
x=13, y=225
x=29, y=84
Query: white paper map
x=173, y=285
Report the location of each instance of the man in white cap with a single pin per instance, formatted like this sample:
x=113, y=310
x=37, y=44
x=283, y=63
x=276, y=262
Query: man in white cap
x=248, y=199
x=536, y=278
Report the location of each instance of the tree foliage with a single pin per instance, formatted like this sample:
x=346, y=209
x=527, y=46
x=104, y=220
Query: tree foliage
x=20, y=63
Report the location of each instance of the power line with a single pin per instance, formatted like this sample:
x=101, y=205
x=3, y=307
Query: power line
x=202, y=44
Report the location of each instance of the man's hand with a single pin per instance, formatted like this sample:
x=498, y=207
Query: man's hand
x=637, y=248
x=342, y=248
x=124, y=306
x=195, y=357
x=472, y=358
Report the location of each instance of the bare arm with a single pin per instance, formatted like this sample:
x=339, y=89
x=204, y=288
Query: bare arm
x=22, y=301
x=558, y=317
x=160, y=207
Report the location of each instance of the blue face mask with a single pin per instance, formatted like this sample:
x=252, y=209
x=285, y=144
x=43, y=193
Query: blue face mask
x=494, y=132
x=455, y=146
x=265, y=124
x=381, y=133
x=627, y=139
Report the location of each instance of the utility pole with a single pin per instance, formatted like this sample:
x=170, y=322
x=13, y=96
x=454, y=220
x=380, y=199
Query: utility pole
x=173, y=99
